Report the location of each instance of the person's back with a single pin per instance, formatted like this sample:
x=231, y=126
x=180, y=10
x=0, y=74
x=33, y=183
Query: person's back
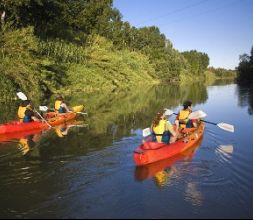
x=182, y=120
x=163, y=131
x=60, y=106
x=29, y=115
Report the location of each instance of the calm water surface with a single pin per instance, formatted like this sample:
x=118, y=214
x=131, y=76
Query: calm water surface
x=89, y=173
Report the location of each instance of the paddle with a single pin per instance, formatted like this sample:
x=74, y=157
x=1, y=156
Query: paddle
x=23, y=97
x=222, y=125
x=45, y=108
x=200, y=114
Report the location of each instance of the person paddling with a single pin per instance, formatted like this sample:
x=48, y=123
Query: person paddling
x=60, y=106
x=29, y=114
x=182, y=120
x=163, y=131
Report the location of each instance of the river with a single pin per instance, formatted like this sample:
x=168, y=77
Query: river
x=88, y=172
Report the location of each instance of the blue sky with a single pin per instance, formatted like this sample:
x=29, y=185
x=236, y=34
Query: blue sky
x=221, y=28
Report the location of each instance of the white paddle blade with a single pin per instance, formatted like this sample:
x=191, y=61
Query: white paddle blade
x=43, y=108
x=146, y=132
x=22, y=96
x=226, y=127
x=82, y=113
x=168, y=112
x=197, y=115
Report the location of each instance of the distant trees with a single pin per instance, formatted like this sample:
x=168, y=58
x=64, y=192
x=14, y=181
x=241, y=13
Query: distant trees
x=222, y=73
x=245, y=68
x=198, y=61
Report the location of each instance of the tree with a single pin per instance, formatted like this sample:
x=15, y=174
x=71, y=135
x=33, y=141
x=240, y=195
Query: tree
x=245, y=68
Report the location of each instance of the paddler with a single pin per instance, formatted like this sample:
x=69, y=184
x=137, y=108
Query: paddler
x=163, y=131
x=182, y=119
x=26, y=113
x=60, y=106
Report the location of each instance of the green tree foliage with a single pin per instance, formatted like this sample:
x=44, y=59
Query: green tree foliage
x=167, y=61
x=222, y=73
x=108, y=69
x=69, y=20
x=22, y=66
x=56, y=42
x=198, y=62
x=245, y=68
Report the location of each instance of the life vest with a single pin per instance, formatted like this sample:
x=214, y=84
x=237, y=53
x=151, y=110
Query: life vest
x=58, y=107
x=183, y=118
x=161, y=133
x=28, y=118
x=21, y=112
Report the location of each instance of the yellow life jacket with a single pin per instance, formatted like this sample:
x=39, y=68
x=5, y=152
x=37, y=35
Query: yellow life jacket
x=159, y=129
x=57, y=105
x=21, y=112
x=183, y=118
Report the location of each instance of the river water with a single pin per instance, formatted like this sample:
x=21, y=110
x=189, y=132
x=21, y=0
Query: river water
x=88, y=172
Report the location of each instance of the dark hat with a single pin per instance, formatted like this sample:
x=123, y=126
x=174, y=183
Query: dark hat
x=187, y=104
x=26, y=103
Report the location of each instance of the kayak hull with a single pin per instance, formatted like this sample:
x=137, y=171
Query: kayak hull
x=150, y=152
x=150, y=170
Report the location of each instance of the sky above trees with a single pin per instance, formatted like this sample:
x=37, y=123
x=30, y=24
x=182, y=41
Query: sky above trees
x=220, y=28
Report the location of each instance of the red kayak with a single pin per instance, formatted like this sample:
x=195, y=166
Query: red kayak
x=150, y=170
x=150, y=152
x=52, y=119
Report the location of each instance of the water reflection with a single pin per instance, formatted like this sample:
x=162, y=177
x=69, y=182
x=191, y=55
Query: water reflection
x=133, y=108
x=193, y=194
x=27, y=144
x=31, y=143
x=245, y=93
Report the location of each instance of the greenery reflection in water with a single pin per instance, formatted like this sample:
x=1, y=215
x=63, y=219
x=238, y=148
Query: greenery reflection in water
x=245, y=93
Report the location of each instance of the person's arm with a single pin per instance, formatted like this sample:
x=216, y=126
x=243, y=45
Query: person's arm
x=65, y=106
x=170, y=129
x=35, y=119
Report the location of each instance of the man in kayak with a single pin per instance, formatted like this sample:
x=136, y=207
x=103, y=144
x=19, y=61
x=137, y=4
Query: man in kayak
x=163, y=131
x=60, y=106
x=182, y=120
x=29, y=114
